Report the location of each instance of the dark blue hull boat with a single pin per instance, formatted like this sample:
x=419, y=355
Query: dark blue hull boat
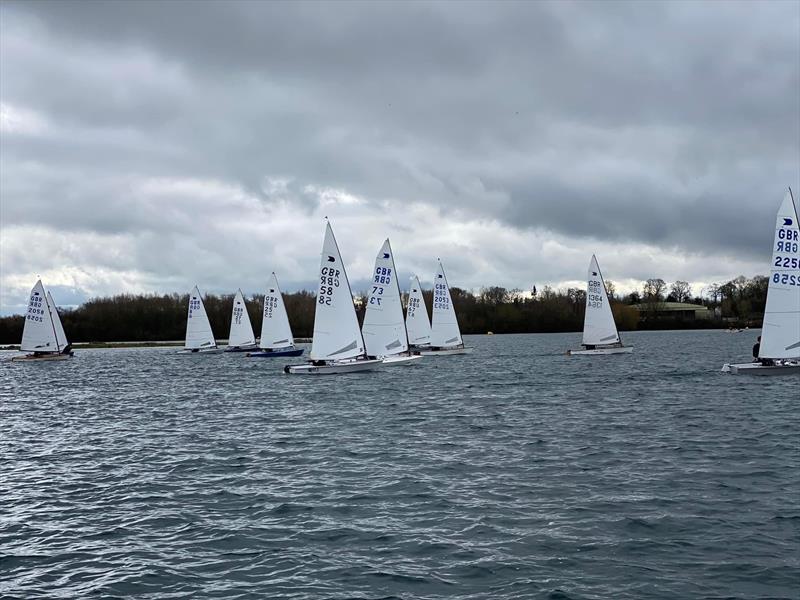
x=240, y=349
x=276, y=353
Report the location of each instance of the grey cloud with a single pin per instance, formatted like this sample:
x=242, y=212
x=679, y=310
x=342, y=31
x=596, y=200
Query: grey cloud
x=671, y=124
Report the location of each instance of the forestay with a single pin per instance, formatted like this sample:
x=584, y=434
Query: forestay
x=39, y=333
x=198, y=329
x=241, y=333
x=61, y=336
x=384, y=327
x=336, y=332
x=598, y=322
x=417, y=322
x=444, y=330
x=780, y=335
x=275, y=329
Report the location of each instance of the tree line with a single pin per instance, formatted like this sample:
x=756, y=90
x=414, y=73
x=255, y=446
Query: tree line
x=149, y=317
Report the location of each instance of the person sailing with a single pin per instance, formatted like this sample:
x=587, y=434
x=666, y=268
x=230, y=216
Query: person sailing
x=756, y=348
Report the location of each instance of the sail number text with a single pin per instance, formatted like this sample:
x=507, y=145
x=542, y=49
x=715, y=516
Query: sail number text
x=383, y=275
x=440, y=297
x=328, y=282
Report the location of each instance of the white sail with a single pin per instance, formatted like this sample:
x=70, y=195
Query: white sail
x=241, y=333
x=780, y=335
x=275, y=329
x=61, y=336
x=598, y=323
x=198, y=329
x=444, y=329
x=384, y=327
x=39, y=333
x=336, y=332
x=417, y=322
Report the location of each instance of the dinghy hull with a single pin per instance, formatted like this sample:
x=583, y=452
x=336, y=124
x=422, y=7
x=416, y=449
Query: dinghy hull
x=276, y=353
x=601, y=351
x=445, y=351
x=404, y=360
x=334, y=368
x=189, y=351
x=240, y=349
x=762, y=370
x=41, y=358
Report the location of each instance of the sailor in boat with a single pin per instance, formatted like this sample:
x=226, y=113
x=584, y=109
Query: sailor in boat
x=756, y=348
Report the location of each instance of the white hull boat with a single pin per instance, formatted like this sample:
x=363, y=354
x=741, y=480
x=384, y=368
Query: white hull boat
x=601, y=351
x=418, y=326
x=779, y=347
x=41, y=357
x=43, y=334
x=334, y=367
x=241, y=337
x=600, y=335
x=337, y=345
x=786, y=368
x=401, y=360
x=445, y=351
x=201, y=351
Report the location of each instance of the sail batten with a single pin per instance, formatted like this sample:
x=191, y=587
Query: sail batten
x=780, y=333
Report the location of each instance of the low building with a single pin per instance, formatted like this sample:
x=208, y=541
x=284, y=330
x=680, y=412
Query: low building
x=680, y=311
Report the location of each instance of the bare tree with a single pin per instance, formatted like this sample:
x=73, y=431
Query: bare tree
x=653, y=290
x=611, y=289
x=681, y=291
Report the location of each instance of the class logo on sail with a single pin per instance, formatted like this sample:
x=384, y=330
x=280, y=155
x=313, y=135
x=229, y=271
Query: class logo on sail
x=787, y=221
x=594, y=273
x=331, y=259
x=385, y=255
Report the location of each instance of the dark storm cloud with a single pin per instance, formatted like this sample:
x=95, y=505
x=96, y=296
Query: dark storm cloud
x=670, y=124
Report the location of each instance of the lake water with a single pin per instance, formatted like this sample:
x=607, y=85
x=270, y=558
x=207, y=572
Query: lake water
x=515, y=472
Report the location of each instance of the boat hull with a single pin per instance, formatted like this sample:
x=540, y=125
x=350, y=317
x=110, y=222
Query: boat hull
x=445, y=351
x=240, y=349
x=189, y=351
x=403, y=360
x=333, y=368
x=276, y=353
x=762, y=370
x=42, y=358
x=601, y=351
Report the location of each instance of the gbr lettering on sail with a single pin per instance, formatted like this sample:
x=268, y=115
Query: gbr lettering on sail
x=787, y=255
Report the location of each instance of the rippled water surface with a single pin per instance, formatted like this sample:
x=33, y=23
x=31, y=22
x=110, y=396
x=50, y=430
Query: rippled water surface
x=516, y=472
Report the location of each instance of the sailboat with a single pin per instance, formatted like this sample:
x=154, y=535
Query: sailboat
x=241, y=337
x=337, y=345
x=276, y=333
x=445, y=333
x=43, y=334
x=600, y=335
x=384, y=328
x=418, y=325
x=199, y=337
x=779, y=351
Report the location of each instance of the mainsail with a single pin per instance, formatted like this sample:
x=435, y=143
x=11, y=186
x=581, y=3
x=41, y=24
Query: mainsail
x=241, y=333
x=780, y=334
x=198, y=329
x=598, y=323
x=417, y=322
x=275, y=329
x=444, y=329
x=384, y=327
x=39, y=332
x=336, y=332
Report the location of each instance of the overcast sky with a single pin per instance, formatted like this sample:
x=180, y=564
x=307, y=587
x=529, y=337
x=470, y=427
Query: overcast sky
x=150, y=146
